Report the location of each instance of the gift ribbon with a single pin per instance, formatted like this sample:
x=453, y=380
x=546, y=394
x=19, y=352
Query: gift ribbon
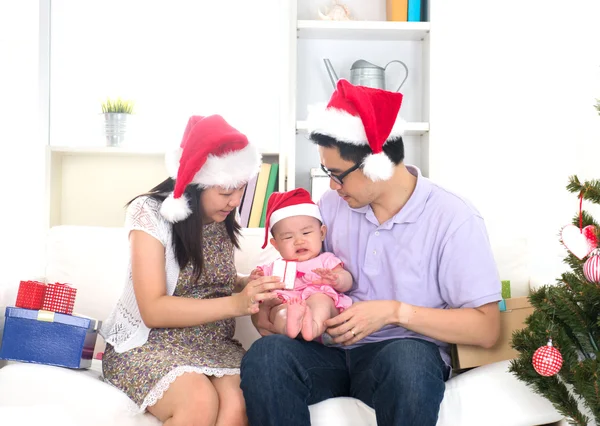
x=46, y=316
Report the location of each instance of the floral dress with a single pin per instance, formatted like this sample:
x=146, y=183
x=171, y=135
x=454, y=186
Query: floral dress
x=146, y=372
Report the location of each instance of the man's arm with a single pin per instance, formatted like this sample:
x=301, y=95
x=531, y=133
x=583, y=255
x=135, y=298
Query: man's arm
x=469, y=326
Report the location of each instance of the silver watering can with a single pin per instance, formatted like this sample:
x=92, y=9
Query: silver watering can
x=364, y=73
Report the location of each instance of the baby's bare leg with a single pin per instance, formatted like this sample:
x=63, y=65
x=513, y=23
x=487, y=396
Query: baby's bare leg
x=319, y=308
x=287, y=317
x=278, y=317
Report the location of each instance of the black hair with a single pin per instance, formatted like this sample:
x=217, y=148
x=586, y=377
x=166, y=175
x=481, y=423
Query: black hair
x=187, y=234
x=393, y=148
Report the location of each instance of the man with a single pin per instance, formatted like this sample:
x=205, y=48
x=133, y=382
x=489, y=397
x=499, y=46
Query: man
x=424, y=277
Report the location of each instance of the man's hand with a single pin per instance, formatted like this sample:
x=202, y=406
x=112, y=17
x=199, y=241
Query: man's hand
x=360, y=320
x=261, y=319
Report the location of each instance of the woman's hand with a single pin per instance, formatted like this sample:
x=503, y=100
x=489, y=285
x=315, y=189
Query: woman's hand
x=247, y=301
x=255, y=274
x=242, y=281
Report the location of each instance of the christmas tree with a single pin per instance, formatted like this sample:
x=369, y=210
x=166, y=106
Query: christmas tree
x=566, y=322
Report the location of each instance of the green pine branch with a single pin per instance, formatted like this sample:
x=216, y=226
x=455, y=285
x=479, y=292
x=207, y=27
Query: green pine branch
x=590, y=189
x=588, y=385
x=569, y=313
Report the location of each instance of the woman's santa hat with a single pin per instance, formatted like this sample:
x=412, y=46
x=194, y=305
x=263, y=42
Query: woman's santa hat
x=212, y=153
x=360, y=115
x=282, y=205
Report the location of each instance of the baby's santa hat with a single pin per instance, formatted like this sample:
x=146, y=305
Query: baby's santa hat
x=212, y=153
x=281, y=205
x=360, y=115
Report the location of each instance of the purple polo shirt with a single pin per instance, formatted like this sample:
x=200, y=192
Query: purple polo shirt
x=433, y=253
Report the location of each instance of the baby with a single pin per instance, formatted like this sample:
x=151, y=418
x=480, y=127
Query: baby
x=298, y=233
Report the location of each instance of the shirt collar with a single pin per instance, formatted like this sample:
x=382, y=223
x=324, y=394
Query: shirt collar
x=413, y=207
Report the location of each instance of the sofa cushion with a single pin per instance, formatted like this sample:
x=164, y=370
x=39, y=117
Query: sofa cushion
x=78, y=395
x=471, y=399
x=250, y=253
x=94, y=260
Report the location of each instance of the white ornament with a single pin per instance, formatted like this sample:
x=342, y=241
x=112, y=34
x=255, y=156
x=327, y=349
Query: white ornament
x=337, y=12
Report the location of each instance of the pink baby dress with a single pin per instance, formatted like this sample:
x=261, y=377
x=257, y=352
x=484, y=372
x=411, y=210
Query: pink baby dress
x=304, y=287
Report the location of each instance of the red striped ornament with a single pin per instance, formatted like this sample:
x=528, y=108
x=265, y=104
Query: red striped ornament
x=591, y=268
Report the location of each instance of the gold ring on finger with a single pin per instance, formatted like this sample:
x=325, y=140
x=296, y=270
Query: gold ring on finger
x=252, y=300
x=353, y=333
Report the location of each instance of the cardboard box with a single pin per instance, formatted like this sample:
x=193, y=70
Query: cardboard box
x=465, y=356
x=45, y=337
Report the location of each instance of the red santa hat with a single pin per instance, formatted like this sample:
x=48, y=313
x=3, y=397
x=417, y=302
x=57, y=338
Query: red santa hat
x=212, y=153
x=281, y=205
x=360, y=115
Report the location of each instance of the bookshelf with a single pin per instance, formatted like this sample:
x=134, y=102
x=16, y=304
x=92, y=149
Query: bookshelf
x=309, y=41
x=91, y=185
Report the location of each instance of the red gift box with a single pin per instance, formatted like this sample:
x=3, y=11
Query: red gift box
x=30, y=295
x=59, y=298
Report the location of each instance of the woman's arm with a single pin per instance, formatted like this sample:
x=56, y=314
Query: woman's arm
x=240, y=282
x=158, y=310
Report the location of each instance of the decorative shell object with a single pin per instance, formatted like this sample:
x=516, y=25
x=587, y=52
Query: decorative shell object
x=337, y=12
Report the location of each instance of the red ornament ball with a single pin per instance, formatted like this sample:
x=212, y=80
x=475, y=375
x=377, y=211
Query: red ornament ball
x=547, y=360
x=591, y=268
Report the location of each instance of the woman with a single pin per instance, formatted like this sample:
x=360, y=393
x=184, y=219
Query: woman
x=170, y=343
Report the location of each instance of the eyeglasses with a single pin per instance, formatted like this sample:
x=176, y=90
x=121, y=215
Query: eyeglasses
x=339, y=178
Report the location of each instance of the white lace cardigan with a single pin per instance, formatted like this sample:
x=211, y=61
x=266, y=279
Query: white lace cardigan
x=124, y=328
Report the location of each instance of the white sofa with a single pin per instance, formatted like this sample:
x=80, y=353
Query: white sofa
x=94, y=260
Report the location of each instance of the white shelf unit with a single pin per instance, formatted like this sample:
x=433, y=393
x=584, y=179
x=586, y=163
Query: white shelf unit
x=309, y=41
x=362, y=30
x=91, y=185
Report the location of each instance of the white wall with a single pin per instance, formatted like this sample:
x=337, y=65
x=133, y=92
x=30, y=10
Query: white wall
x=22, y=161
x=510, y=81
x=512, y=89
x=173, y=59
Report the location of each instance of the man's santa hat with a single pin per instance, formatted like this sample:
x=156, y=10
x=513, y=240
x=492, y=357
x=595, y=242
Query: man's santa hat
x=360, y=115
x=212, y=153
x=281, y=205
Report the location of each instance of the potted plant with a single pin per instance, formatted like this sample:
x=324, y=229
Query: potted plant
x=115, y=120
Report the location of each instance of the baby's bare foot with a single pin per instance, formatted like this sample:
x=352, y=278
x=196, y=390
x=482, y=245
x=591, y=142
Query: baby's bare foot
x=295, y=314
x=310, y=328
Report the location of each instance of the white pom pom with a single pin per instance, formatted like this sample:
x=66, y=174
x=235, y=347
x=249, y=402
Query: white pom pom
x=378, y=167
x=175, y=209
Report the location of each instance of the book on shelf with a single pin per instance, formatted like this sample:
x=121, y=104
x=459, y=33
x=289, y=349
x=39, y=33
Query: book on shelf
x=271, y=185
x=397, y=10
x=406, y=10
x=254, y=202
x=247, y=202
